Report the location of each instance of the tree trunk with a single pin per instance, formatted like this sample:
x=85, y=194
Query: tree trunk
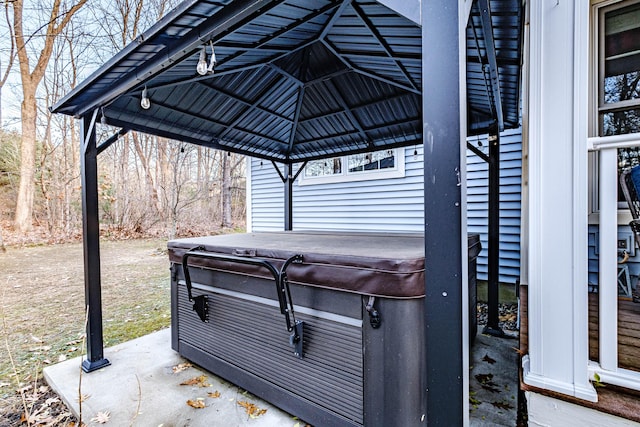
x=146, y=169
x=30, y=81
x=26, y=189
x=227, y=219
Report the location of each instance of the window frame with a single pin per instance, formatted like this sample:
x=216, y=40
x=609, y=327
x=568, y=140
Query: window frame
x=398, y=171
x=597, y=104
x=601, y=107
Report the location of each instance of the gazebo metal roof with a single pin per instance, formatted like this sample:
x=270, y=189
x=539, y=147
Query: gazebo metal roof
x=297, y=80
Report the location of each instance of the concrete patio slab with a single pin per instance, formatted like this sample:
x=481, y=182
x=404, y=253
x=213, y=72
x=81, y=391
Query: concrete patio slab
x=140, y=388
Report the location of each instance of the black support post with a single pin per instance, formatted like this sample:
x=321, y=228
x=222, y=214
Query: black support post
x=493, y=259
x=443, y=217
x=91, y=244
x=288, y=196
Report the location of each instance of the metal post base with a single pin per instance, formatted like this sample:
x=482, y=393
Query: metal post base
x=493, y=331
x=89, y=366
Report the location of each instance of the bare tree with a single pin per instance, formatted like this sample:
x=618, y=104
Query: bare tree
x=230, y=163
x=5, y=76
x=29, y=108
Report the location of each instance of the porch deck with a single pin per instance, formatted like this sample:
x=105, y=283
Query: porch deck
x=613, y=400
x=628, y=332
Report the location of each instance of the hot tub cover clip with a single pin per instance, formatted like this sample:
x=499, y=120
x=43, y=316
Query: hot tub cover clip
x=201, y=303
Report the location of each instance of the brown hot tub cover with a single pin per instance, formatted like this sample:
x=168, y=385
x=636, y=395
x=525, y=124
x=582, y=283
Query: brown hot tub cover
x=378, y=264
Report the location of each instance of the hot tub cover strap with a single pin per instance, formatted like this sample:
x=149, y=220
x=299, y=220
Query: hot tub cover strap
x=283, y=291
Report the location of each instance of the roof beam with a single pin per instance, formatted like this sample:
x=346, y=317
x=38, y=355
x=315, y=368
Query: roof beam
x=356, y=107
x=352, y=118
x=369, y=129
x=246, y=112
x=229, y=19
x=416, y=59
x=334, y=18
x=286, y=74
x=369, y=74
x=477, y=152
x=246, y=103
x=279, y=33
x=157, y=129
x=294, y=125
x=223, y=125
x=113, y=138
x=382, y=42
x=487, y=32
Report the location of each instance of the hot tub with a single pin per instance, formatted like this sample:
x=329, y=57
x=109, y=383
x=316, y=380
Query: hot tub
x=329, y=327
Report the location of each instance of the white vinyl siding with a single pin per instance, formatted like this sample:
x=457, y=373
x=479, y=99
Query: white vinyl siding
x=396, y=204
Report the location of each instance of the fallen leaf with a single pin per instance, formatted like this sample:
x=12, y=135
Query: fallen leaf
x=181, y=367
x=101, y=418
x=486, y=382
x=502, y=405
x=484, y=378
x=490, y=388
x=25, y=388
x=200, y=381
x=251, y=409
x=62, y=358
x=198, y=404
x=50, y=401
x=215, y=394
x=83, y=398
x=519, y=351
x=488, y=359
x=36, y=339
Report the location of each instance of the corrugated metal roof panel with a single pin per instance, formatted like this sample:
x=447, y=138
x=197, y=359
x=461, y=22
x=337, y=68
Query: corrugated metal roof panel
x=294, y=79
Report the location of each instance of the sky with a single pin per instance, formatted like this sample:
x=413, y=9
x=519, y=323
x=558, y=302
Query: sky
x=98, y=29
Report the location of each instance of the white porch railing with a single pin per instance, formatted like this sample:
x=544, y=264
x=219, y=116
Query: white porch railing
x=607, y=369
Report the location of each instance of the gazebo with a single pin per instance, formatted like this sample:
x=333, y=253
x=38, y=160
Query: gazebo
x=290, y=81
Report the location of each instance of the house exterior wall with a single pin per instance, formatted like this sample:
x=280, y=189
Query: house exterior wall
x=510, y=203
x=395, y=204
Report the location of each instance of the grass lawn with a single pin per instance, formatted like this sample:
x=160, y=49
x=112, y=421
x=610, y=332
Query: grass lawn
x=42, y=307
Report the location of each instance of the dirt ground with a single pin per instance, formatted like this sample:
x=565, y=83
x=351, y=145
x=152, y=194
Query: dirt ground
x=42, y=314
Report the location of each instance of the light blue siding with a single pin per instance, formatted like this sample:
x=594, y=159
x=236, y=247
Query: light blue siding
x=267, y=205
x=393, y=204
x=624, y=232
x=510, y=203
x=396, y=204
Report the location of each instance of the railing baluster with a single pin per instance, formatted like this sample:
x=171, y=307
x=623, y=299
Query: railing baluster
x=607, y=288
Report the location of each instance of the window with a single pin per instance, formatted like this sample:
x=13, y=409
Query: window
x=617, y=80
x=619, y=69
x=356, y=167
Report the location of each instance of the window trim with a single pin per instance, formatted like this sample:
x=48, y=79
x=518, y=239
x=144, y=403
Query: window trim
x=599, y=106
x=596, y=106
x=398, y=171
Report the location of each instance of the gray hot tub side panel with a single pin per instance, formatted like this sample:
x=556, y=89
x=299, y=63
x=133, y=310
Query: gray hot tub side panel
x=343, y=378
